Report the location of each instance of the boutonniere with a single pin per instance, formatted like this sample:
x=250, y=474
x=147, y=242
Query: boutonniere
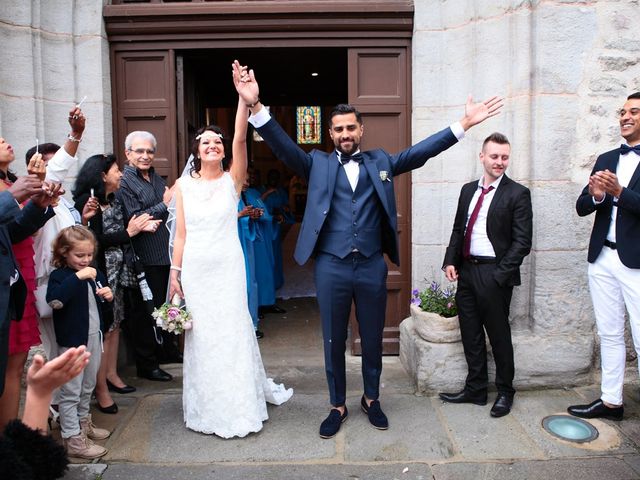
x=384, y=176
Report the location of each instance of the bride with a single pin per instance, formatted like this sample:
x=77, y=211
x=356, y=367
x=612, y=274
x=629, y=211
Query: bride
x=225, y=385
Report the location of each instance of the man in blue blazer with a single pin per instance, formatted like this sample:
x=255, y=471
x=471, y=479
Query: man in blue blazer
x=613, y=193
x=15, y=225
x=349, y=222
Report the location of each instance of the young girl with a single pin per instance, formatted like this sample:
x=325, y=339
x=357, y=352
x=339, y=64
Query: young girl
x=77, y=293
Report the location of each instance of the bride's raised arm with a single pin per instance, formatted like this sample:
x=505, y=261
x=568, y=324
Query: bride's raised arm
x=239, y=146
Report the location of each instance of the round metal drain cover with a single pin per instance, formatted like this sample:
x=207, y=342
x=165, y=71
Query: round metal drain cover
x=571, y=429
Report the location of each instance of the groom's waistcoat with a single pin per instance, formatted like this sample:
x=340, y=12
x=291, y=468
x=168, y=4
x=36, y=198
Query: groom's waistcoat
x=353, y=220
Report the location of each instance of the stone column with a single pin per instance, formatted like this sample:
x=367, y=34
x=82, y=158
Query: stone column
x=53, y=53
x=563, y=67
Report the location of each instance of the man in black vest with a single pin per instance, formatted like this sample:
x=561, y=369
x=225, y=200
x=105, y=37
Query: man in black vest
x=349, y=222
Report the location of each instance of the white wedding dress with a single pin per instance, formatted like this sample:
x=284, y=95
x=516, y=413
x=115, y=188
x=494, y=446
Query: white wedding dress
x=225, y=386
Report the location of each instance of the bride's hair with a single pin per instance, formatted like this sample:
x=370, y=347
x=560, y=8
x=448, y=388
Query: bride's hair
x=197, y=163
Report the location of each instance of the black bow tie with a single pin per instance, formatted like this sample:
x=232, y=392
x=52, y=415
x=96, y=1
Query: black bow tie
x=356, y=157
x=626, y=149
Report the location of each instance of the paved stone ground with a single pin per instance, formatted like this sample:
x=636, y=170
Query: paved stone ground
x=427, y=438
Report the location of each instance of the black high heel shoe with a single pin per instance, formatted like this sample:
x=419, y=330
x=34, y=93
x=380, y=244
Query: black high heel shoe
x=111, y=409
x=122, y=390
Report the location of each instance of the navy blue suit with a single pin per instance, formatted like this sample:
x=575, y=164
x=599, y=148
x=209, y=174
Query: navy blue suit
x=15, y=226
x=348, y=232
x=627, y=220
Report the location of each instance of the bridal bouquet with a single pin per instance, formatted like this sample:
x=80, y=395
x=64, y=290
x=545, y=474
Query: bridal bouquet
x=172, y=318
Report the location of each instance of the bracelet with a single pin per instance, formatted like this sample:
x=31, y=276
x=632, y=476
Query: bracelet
x=251, y=105
x=74, y=139
x=176, y=268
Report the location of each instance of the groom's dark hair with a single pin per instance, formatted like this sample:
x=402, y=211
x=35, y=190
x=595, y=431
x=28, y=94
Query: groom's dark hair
x=344, y=109
x=634, y=96
x=197, y=163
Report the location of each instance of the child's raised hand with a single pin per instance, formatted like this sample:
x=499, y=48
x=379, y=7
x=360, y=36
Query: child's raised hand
x=105, y=293
x=87, y=273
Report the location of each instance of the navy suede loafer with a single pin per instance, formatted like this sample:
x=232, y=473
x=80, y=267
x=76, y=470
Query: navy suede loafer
x=331, y=425
x=377, y=418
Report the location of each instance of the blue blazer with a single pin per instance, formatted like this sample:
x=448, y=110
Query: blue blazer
x=320, y=169
x=69, y=300
x=627, y=218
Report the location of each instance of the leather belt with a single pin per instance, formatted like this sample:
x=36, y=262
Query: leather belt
x=480, y=260
x=611, y=245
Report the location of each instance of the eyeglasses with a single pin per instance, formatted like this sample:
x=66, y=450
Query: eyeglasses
x=142, y=151
x=633, y=111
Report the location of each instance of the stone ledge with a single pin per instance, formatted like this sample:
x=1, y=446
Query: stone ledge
x=563, y=360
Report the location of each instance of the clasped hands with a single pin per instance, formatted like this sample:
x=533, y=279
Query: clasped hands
x=603, y=182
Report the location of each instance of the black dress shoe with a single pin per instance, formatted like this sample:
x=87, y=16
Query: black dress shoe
x=259, y=334
x=330, y=426
x=464, y=396
x=156, y=374
x=122, y=390
x=377, y=418
x=502, y=405
x=111, y=409
x=597, y=409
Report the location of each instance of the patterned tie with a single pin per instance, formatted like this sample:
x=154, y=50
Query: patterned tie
x=466, y=247
x=357, y=157
x=624, y=149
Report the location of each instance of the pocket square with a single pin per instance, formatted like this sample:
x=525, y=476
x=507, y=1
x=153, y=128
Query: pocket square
x=384, y=176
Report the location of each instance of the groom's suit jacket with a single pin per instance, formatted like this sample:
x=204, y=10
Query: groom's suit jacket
x=320, y=169
x=627, y=218
x=509, y=228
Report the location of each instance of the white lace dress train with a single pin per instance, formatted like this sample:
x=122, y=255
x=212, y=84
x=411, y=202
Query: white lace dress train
x=225, y=385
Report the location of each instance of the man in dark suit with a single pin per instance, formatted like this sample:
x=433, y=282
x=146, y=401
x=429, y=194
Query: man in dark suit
x=349, y=222
x=15, y=225
x=613, y=193
x=490, y=238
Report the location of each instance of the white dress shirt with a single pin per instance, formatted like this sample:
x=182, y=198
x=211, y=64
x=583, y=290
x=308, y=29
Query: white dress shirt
x=480, y=244
x=627, y=165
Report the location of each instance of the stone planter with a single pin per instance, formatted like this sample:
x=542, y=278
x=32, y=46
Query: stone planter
x=435, y=328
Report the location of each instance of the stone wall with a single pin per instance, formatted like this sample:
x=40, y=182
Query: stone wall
x=53, y=53
x=564, y=68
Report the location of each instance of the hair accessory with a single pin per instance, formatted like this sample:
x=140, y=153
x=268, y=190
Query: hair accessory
x=209, y=133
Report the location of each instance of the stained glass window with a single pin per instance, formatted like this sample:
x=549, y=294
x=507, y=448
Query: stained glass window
x=308, y=124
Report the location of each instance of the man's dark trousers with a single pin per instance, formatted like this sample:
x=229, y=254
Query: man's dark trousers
x=483, y=304
x=338, y=282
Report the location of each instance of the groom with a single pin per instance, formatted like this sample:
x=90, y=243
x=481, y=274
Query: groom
x=349, y=222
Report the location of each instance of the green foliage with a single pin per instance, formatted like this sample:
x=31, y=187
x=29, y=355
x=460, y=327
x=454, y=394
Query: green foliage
x=436, y=300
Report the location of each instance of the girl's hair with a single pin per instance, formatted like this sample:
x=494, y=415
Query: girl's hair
x=67, y=239
x=90, y=176
x=197, y=162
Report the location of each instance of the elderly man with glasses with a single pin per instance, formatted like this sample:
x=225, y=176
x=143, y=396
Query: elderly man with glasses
x=144, y=191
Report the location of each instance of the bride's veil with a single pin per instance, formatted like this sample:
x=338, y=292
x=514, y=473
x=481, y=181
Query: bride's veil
x=171, y=219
